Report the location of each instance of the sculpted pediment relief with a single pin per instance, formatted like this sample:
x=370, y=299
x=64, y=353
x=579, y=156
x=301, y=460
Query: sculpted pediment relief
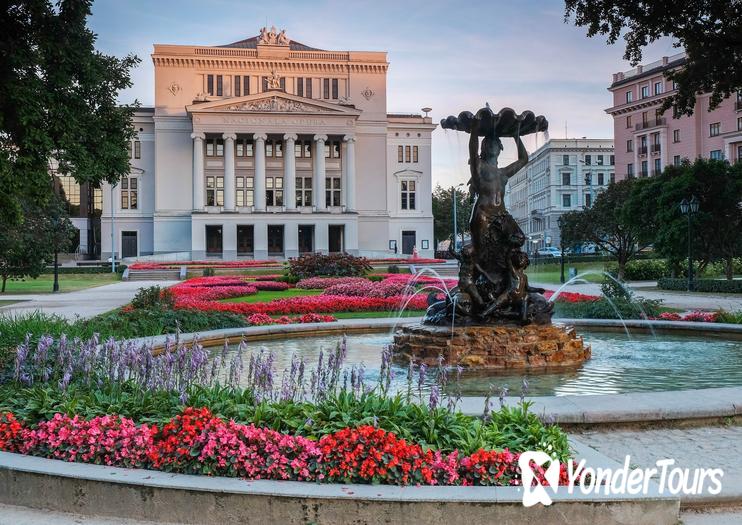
x=272, y=103
x=276, y=104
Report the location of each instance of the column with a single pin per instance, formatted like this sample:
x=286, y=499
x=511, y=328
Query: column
x=319, y=172
x=229, y=185
x=198, y=171
x=349, y=187
x=259, y=140
x=289, y=172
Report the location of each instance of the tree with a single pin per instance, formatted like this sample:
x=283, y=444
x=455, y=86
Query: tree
x=706, y=29
x=58, y=100
x=610, y=225
x=59, y=232
x=717, y=227
x=443, y=212
x=24, y=247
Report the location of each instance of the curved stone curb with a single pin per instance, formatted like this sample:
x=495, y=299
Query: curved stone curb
x=159, y=496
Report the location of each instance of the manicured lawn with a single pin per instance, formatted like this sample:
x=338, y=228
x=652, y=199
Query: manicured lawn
x=549, y=273
x=67, y=283
x=263, y=296
x=374, y=315
x=6, y=303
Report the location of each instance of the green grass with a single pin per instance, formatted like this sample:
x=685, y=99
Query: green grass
x=6, y=302
x=375, y=315
x=67, y=283
x=549, y=273
x=263, y=296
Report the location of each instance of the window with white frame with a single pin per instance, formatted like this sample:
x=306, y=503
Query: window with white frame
x=332, y=149
x=414, y=154
x=274, y=191
x=676, y=160
x=657, y=88
x=214, y=191
x=645, y=91
x=303, y=148
x=408, y=195
x=303, y=191
x=566, y=200
x=137, y=149
x=716, y=154
x=676, y=135
x=214, y=147
x=400, y=153
x=714, y=129
x=244, y=148
x=245, y=192
x=629, y=96
x=332, y=191
x=129, y=193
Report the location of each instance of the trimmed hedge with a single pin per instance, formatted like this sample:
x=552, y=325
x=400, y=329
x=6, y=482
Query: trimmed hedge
x=701, y=285
x=49, y=270
x=642, y=270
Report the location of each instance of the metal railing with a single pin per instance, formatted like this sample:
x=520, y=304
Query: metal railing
x=655, y=148
x=642, y=150
x=651, y=123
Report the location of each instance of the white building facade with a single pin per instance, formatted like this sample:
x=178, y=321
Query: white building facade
x=561, y=176
x=267, y=148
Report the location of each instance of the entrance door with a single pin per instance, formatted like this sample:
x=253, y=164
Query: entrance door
x=128, y=244
x=408, y=242
x=214, y=240
x=275, y=240
x=245, y=239
x=306, y=238
x=336, y=239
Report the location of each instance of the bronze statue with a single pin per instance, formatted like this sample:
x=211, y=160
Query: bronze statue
x=493, y=286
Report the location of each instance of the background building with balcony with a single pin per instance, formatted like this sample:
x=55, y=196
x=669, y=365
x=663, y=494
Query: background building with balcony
x=647, y=141
x=561, y=176
x=270, y=148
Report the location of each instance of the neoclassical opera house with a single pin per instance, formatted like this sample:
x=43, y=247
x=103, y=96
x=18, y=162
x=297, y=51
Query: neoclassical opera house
x=270, y=148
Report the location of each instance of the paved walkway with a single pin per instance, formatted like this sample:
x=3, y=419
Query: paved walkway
x=81, y=303
x=648, y=290
x=701, y=447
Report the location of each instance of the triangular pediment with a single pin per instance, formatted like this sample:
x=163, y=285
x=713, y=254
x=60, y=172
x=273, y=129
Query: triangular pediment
x=272, y=102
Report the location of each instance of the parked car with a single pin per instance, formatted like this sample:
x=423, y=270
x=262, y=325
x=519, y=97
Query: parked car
x=551, y=251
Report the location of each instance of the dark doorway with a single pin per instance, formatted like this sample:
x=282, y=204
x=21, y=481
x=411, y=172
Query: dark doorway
x=306, y=238
x=214, y=240
x=245, y=239
x=408, y=242
x=128, y=244
x=336, y=240
x=275, y=240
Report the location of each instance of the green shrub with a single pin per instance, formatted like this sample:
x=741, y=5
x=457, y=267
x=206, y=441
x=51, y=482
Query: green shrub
x=642, y=270
x=701, y=285
x=209, y=272
x=331, y=265
x=154, y=297
x=604, y=308
x=393, y=268
x=719, y=268
x=722, y=316
x=614, y=289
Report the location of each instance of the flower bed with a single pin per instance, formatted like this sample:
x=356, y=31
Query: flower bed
x=196, y=265
x=320, y=283
x=198, y=442
x=695, y=316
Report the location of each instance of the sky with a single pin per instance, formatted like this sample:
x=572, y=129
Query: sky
x=448, y=55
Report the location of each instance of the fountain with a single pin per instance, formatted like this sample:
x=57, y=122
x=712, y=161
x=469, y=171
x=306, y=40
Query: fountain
x=493, y=319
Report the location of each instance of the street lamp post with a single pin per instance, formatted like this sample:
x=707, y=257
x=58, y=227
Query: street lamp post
x=113, y=234
x=561, y=250
x=455, y=216
x=689, y=208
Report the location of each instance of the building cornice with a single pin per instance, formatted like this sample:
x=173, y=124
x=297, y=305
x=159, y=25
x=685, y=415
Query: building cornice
x=639, y=104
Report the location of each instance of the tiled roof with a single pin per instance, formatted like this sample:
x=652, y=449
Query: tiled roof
x=252, y=43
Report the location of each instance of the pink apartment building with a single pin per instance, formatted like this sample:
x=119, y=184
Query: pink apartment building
x=646, y=142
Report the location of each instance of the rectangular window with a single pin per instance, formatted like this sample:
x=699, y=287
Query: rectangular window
x=629, y=96
x=332, y=191
x=400, y=153
x=129, y=193
x=739, y=123
x=645, y=91
x=219, y=147
x=304, y=191
x=214, y=191
x=676, y=135
x=600, y=160
x=657, y=88
x=214, y=147
x=408, y=195
x=716, y=155
x=565, y=160
x=335, y=149
x=588, y=200
x=278, y=148
x=657, y=167
x=645, y=169
x=601, y=179
x=335, y=88
x=137, y=149
x=282, y=84
x=739, y=153
x=219, y=85
x=407, y=154
x=629, y=145
x=714, y=129
x=300, y=86
x=237, y=85
x=307, y=148
x=274, y=191
x=414, y=153
x=325, y=88
x=629, y=170
x=246, y=85
x=327, y=150
x=613, y=160
x=210, y=84
x=566, y=200
x=628, y=121
x=268, y=148
x=612, y=178
x=566, y=178
x=676, y=160
x=264, y=84
x=275, y=239
x=244, y=195
x=588, y=160
x=308, y=86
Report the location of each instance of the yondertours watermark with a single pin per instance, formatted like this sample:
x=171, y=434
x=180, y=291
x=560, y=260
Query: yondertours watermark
x=612, y=481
